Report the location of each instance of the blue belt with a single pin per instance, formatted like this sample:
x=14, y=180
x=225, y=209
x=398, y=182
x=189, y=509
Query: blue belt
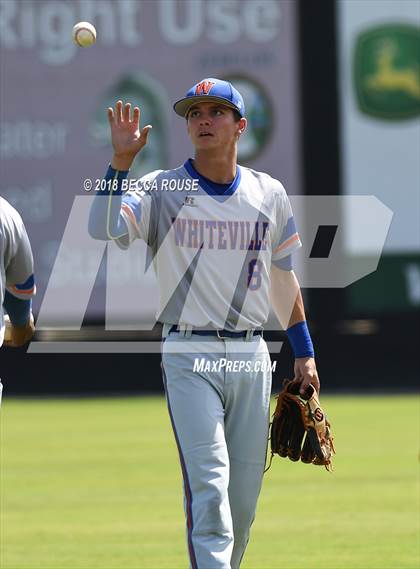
x=221, y=333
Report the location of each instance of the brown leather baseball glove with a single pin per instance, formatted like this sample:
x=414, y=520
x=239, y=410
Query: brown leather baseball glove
x=297, y=418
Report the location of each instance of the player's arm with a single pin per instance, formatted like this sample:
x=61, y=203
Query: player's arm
x=106, y=220
x=20, y=288
x=21, y=320
x=287, y=302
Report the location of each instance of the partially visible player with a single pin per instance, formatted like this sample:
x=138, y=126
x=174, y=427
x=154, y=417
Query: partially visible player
x=217, y=253
x=17, y=285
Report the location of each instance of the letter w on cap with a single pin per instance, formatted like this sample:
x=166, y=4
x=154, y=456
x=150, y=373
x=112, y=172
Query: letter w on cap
x=204, y=87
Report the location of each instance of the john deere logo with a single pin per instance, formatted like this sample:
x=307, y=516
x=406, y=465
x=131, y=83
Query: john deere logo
x=387, y=71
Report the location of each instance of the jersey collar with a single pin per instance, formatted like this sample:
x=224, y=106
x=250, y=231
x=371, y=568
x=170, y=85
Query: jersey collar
x=210, y=187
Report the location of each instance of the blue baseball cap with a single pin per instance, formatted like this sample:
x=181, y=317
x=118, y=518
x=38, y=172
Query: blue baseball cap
x=211, y=89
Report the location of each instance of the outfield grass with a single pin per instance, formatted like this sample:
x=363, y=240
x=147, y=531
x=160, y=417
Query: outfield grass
x=95, y=484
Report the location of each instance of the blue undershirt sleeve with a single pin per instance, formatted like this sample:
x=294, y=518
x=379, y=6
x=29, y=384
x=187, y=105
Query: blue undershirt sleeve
x=105, y=219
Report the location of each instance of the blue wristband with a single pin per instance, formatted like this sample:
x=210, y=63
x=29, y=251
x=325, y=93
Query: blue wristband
x=300, y=340
x=18, y=309
x=111, y=174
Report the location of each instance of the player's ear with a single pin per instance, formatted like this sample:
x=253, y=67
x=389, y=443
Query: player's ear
x=242, y=124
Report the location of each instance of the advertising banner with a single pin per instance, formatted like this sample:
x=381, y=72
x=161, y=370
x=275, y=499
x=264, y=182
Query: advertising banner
x=54, y=96
x=379, y=79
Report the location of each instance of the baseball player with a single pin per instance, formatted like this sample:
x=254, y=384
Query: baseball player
x=17, y=284
x=220, y=237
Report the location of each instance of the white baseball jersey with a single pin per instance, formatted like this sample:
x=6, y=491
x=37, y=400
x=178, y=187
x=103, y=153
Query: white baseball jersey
x=211, y=252
x=16, y=262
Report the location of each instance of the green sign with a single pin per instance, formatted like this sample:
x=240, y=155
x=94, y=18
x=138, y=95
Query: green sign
x=387, y=71
x=393, y=287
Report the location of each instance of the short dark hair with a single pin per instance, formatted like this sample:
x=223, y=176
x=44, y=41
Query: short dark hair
x=236, y=114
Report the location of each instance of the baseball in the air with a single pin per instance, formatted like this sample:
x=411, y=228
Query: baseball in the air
x=84, y=34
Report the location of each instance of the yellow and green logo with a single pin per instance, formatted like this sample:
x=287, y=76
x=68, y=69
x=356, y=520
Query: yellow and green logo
x=387, y=71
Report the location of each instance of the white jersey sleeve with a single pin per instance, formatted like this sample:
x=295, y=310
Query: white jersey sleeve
x=287, y=237
x=15, y=253
x=136, y=210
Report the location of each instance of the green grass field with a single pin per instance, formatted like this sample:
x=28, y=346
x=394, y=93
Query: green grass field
x=95, y=484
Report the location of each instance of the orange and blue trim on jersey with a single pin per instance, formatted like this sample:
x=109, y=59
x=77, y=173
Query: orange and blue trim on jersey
x=131, y=205
x=127, y=209
x=18, y=306
x=23, y=290
x=289, y=239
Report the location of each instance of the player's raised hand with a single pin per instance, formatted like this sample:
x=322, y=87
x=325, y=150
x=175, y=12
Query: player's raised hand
x=127, y=138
